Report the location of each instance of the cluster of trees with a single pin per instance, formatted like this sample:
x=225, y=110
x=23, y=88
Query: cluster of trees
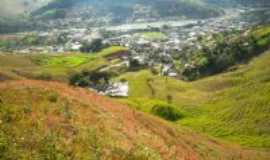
x=228, y=50
x=94, y=46
x=93, y=79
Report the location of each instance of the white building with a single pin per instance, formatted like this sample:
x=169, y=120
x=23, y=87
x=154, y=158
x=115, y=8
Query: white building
x=118, y=89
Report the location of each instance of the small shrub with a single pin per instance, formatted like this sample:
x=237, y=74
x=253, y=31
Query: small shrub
x=27, y=109
x=3, y=144
x=7, y=149
x=150, y=85
x=53, y=97
x=123, y=80
x=95, y=144
x=66, y=110
x=79, y=79
x=49, y=149
x=154, y=71
x=169, y=98
x=167, y=112
x=9, y=114
x=142, y=152
x=44, y=76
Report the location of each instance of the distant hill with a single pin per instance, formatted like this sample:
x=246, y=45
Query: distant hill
x=131, y=10
x=123, y=9
x=233, y=3
x=17, y=7
x=14, y=14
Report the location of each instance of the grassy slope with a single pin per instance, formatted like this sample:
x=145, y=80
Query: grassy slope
x=233, y=106
x=239, y=111
x=56, y=66
x=47, y=120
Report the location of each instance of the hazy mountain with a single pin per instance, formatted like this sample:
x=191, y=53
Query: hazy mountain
x=99, y=12
x=233, y=3
x=17, y=7
x=190, y=8
x=130, y=10
x=125, y=9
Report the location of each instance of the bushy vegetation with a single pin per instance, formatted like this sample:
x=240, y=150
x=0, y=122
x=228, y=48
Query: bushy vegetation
x=167, y=112
x=31, y=40
x=94, y=46
x=228, y=49
x=98, y=80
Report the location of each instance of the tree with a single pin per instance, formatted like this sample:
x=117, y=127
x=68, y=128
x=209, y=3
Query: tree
x=94, y=79
x=94, y=46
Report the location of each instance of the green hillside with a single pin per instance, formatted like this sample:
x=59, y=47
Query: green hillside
x=54, y=67
x=233, y=105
